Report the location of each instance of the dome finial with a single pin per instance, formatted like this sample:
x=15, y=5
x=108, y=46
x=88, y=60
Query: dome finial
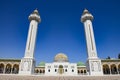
x=85, y=11
x=36, y=11
x=35, y=16
x=86, y=16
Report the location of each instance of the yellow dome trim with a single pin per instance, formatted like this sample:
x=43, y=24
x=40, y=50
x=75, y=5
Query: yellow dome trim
x=60, y=57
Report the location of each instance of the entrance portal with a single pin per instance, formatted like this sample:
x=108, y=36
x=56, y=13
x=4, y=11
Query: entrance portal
x=60, y=70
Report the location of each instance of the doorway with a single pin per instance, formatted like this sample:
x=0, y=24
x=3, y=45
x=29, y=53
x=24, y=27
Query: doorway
x=61, y=70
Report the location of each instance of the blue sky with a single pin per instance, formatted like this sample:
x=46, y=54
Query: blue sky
x=60, y=29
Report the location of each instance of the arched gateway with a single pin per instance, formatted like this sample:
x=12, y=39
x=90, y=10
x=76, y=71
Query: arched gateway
x=60, y=70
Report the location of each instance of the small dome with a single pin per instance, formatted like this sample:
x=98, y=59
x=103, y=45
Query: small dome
x=80, y=64
x=61, y=58
x=35, y=16
x=42, y=64
x=36, y=12
x=86, y=16
x=85, y=12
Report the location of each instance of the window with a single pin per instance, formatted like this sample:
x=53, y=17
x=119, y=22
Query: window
x=48, y=70
x=72, y=70
x=40, y=71
x=55, y=70
x=49, y=66
x=66, y=66
x=55, y=66
x=65, y=70
x=84, y=71
x=72, y=66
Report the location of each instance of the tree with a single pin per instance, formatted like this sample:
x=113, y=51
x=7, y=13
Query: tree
x=108, y=57
x=119, y=56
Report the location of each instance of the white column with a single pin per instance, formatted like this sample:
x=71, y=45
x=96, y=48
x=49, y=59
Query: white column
x=28, y=63
x=31, y=40
x=94, y=65
x=91, y=47
x=4, y=68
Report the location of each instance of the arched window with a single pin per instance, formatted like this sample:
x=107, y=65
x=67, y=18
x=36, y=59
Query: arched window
x=1, y=68
x=8, y=69
x=65, y=70
x=40, y=71
x=15, y=69
x=55, y=70
x=60, y=70
x=78, y=71
x=72, y=70
x=60, y=66
x=84, y=71
x=81, y=71
x=106, y=69
x=48, y=70
x=37, y=71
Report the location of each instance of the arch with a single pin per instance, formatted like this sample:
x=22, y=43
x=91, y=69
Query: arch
x=37, y=71
x=8, y=68
x=55, y=70
x=15, y=69
x=85, y=72
x=106, y=69
x=60, y=66
x=1, y=68
x=113, y=69
x=40, y=71
x=60, y=70
x=78, y=72
x=81, y=71
x=65, y=70
x=48, y=70
x=119, y=68
x=72, y=70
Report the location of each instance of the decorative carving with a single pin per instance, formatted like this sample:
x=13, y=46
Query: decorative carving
x=29, y=63
x=25, y=67
x=99, y=66
x=92, y=66
x=95, y=66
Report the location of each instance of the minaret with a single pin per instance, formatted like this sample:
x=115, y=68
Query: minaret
x=93, y=63
x=28, y=63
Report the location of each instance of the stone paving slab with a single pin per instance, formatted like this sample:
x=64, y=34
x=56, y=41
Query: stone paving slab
x=25, y=77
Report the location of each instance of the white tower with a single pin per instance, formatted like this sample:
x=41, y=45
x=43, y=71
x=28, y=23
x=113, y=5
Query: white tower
x=28, y=63
x=93, y=63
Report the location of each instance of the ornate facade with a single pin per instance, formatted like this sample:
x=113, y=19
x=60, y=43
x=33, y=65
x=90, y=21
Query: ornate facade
x=11, y=66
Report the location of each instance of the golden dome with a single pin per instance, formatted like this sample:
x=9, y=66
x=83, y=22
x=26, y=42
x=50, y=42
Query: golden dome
x=60, y=57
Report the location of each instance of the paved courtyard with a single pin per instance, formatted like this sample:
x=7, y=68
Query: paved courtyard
x=23, y=77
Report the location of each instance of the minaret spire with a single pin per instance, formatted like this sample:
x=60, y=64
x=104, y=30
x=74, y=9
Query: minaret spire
x=28, y=63
x=85, y=11
x=93, y=62
x=86, y=15
x=87, y=18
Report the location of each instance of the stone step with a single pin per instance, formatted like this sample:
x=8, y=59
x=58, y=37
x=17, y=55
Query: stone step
x=33, y=77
